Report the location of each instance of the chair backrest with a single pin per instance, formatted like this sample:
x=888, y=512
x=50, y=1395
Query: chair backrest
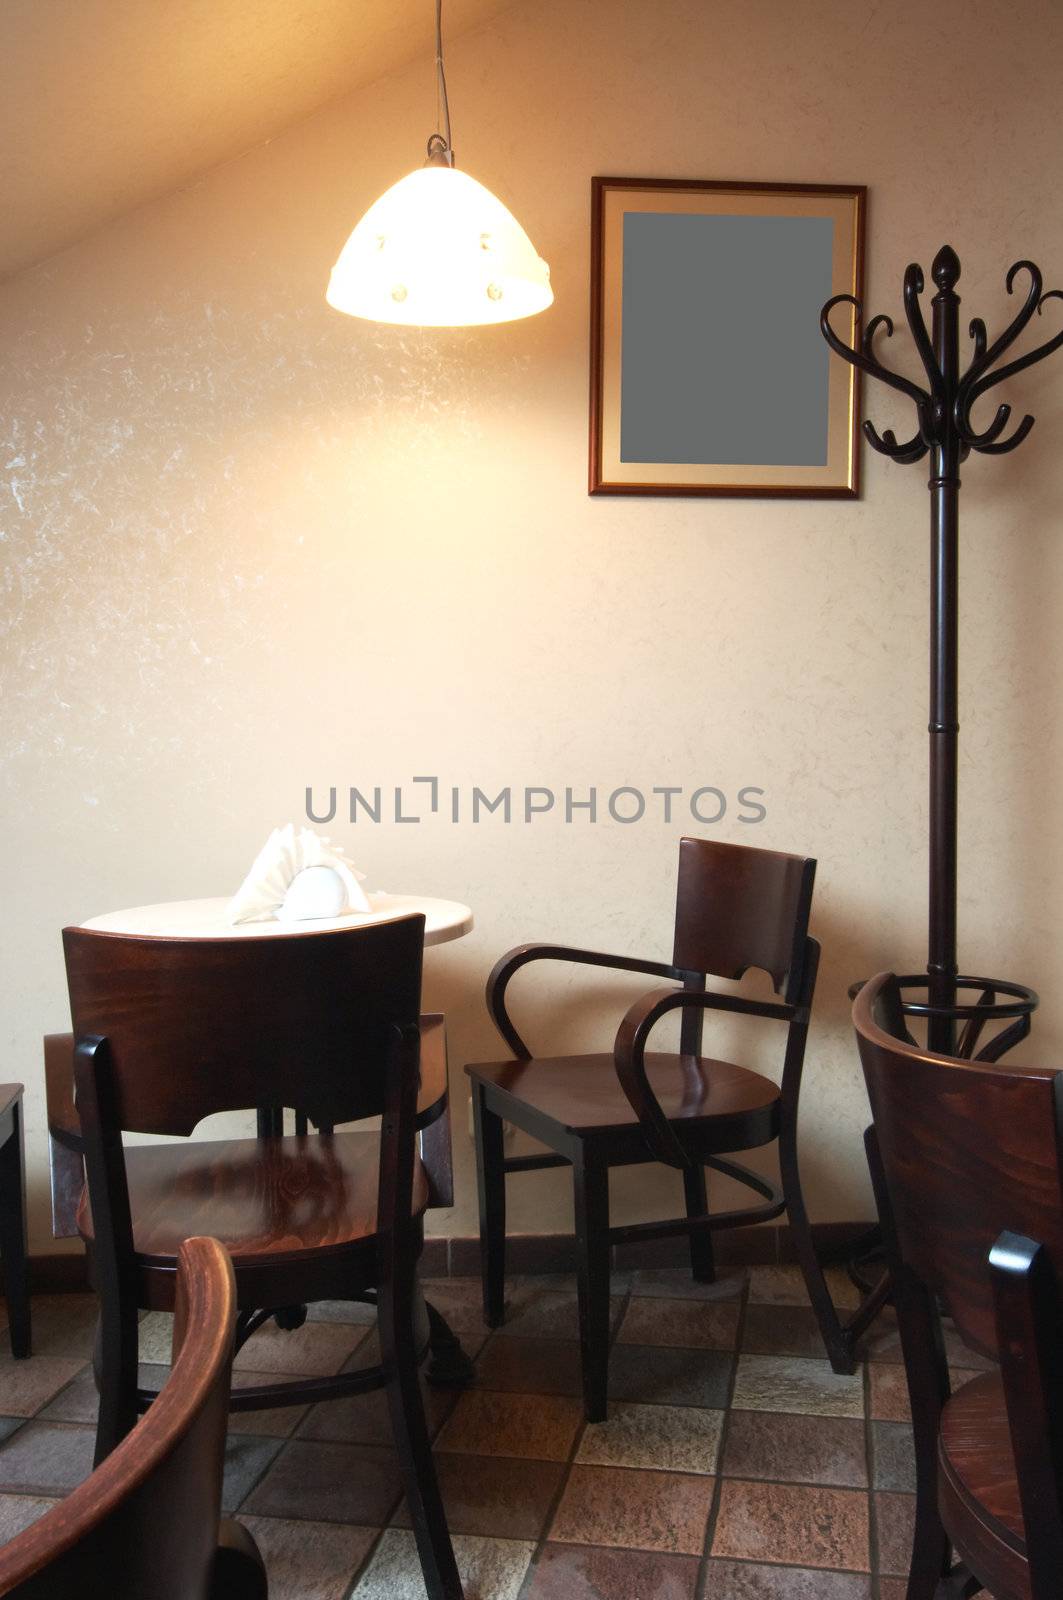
x=738, y=907
x=197, y=1026
x=146, y=1522
x=968, y=1150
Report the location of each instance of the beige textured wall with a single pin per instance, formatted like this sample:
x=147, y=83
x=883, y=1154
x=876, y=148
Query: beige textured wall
x=250, y=545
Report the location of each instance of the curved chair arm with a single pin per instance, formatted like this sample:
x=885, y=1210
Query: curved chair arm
x=513, y=960
x=629, y=1053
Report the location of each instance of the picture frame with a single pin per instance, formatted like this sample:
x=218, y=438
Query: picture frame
x=709, y=374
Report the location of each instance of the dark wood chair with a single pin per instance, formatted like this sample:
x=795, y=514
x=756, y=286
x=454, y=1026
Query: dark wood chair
x=448, y=1366
x=13, y=1219
x=170, y=1031
x=966, y=1161
x=737, y=908
x=146, y=1524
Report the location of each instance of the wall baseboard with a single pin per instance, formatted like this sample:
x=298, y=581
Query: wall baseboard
x=556, y=1252
x=532, y=1253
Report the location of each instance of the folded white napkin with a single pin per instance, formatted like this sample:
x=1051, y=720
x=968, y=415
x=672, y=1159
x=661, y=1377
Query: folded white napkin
x=297, y=877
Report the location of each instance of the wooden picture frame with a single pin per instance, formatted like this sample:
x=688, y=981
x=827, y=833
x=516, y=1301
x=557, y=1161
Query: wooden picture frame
x=709, y=374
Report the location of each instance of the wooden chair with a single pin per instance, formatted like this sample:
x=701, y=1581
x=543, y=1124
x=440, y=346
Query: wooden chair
x=448, y=1366
x=13, y=1219
x=170, y=1031
x=146, y=1524
x=737, y=908
x=966, y=1161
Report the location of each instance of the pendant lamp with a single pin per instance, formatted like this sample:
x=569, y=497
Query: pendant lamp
x=438, y=249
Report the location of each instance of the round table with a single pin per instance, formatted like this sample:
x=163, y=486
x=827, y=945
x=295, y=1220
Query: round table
x=206, y=919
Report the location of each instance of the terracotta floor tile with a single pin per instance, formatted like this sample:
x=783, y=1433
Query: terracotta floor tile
x=25, y=1386
x=155, y=1336
x=459, y=1300
x=485, y=1494
x=888, y=1400
x=309, y=1560
x=367, y=1352
x=587, y=1572
x=883, y=1343
x=366, y=1418
x=317, y=1348
x=789, y=1383
x=359, y=1312
x=693, y=1324
x=275, y=1423
x=889, y=1390
x=670, y=1376
x=676, y=1283
x=330, y=1483
x=634, y=1510
x=64, y=1325
x=786, y=1286
x=796, y=1448
x=246, y=1459
x=534, y=1313
x=620, y=1281
x=779, y=1330
x=46, y=1458
x=17, y=1511
x=487, y=1423
x=79, y=1400
x=893, y=1456
x=667, y=1438
x=742, y=1580
x=894, y=1524
x=792, y=1524
x=490, y=1569
x=531, y=1366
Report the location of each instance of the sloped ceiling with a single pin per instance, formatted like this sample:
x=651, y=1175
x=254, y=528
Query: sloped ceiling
x=105, y=104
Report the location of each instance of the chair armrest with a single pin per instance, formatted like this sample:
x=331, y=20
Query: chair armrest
x=513, y=960
x=629, y=1052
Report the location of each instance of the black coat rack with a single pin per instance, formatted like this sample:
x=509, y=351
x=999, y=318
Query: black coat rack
x=945, y=430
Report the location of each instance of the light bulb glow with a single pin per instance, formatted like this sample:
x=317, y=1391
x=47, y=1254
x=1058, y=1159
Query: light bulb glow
x=439, y=250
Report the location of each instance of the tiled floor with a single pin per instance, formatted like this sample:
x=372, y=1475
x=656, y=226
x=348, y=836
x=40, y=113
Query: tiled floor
x=734, y=1465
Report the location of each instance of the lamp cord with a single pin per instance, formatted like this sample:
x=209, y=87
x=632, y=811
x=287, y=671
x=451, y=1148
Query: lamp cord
x=440, y=142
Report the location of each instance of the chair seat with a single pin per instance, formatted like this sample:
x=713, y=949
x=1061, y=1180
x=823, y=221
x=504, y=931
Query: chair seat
x=583, y=1093
x=978, y=1484
x=276, y=1198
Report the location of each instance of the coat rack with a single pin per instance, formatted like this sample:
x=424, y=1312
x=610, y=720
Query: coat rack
x=945, y=429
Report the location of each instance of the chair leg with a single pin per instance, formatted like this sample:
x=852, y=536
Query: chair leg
x=930, y=1551
x=13, y=1236
x=115, y=1365
x=406, y=1404
x=838, y=1344
x=927, y=1381
x=239, y=1573
x=491, y=1189
x=702, y=1260
x=591, y=1197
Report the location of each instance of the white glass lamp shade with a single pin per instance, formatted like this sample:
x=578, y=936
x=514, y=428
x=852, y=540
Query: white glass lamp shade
x=438, y=250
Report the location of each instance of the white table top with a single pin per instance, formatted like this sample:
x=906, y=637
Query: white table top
x=206, y=919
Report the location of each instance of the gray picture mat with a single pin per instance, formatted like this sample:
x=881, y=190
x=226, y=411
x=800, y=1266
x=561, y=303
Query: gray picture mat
x=722, y=360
